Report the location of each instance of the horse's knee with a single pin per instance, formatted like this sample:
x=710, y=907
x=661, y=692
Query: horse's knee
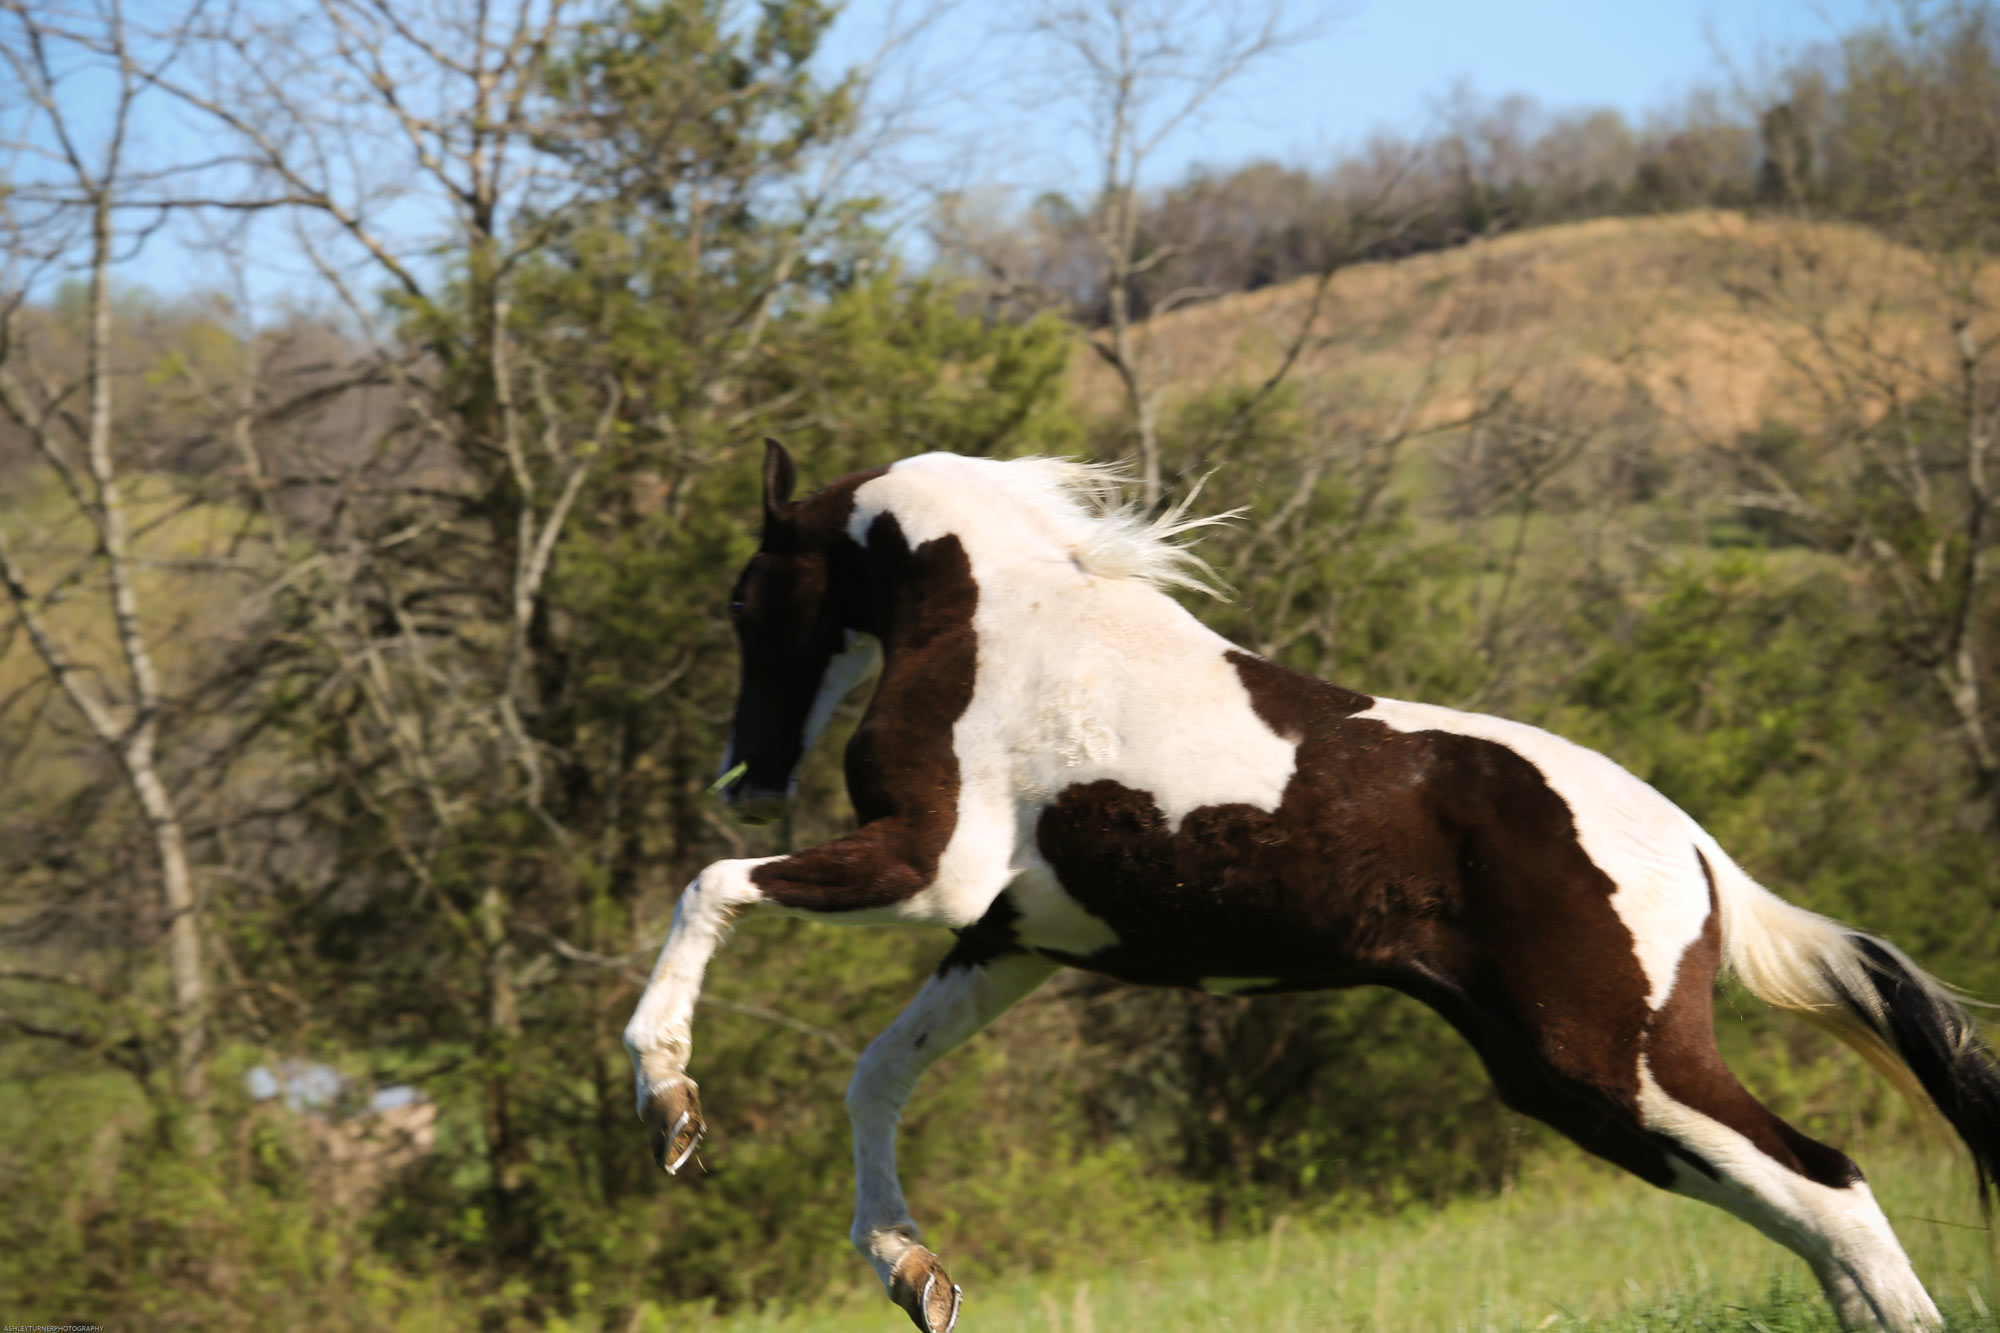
x=861, y=1087
x=721, y=889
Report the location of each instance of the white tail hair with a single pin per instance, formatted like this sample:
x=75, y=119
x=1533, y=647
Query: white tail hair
x=1869, y=994
x=1797, y=960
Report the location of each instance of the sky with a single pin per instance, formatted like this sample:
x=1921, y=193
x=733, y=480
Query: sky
x=1387, y=63
x=1375, y=64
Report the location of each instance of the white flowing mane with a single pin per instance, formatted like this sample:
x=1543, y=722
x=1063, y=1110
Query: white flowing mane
x=1115, y=536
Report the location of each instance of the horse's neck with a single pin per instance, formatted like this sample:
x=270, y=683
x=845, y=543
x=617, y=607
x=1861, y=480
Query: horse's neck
x=1043, y=621
x=1083, y=679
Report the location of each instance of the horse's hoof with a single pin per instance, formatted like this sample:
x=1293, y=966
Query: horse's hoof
x=920, y=1285
x=675, y=1116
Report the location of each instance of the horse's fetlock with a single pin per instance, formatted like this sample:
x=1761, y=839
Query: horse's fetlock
x=886, y=1243
x=873, y=1240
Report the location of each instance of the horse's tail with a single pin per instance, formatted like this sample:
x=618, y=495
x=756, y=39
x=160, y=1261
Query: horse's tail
x=1869, y=994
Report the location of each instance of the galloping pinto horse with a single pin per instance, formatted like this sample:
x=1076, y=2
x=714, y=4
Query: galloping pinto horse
x=1064, y=767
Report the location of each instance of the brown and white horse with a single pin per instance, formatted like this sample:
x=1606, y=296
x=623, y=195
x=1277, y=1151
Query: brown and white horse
x=1067, y=769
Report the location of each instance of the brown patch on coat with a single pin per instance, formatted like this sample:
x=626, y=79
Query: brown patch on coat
x=1599, y=1119
x=1680, y=1052
x=1428, y=854
x=902, y=771
x=1440, y=864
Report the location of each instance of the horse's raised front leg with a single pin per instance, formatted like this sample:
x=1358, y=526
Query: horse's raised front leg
x=870, y=875
x=659, y=1036
x=966, y=994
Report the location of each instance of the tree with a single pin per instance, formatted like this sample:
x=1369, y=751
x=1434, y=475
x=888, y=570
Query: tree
x=582, y=262
x=68, y=215
x=1139, y=72
x=1893, y=337
x=503, y=666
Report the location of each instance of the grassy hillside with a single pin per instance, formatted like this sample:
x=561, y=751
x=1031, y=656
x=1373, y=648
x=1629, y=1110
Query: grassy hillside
x=1656, y=303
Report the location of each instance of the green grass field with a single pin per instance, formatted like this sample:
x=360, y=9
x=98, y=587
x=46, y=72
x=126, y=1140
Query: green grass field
x=1573, y=1246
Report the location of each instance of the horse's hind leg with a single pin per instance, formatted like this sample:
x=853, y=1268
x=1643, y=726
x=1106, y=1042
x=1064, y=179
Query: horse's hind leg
x=1805, y=1196
x=1730, y=1150
x=1649, y=1091
x=970, y=989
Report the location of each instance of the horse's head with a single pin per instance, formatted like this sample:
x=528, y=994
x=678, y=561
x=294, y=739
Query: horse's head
x=800, y=647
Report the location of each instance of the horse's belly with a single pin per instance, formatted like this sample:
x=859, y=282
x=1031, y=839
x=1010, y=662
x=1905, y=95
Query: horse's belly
x=1162, y=933
x=1236, y=964
x=1045, y=917
x=1161, y=943
x=1226, y=902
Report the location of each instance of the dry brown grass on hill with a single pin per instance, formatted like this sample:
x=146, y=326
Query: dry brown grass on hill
x=1722, y=321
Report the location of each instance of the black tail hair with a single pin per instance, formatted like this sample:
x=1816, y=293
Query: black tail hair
x=1939, y=1042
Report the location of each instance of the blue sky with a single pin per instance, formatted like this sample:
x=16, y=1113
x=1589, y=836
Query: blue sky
x=1387, y=63
x=1377, y=64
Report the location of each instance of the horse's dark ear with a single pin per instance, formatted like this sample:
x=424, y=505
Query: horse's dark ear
x=779, y=476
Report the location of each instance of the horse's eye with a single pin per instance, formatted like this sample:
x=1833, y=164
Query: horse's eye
x=736, y=608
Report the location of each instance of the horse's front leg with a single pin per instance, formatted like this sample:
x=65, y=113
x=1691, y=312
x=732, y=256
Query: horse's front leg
x=659, y=1036
x=869, y=875
x=966, y=994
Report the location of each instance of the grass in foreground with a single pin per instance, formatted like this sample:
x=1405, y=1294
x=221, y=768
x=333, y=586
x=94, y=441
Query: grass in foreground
x=1572, y=1247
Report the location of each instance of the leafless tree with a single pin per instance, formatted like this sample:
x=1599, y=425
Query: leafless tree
x=1893, y=338
x=1138, y=73
x=67, y=219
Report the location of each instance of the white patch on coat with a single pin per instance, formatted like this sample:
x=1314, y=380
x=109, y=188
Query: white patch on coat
x=1642, y=841
x=1050, y=918
x=1082, y=677
x=1123, y=686
x=842, y=674
x=1067, y=728
x=1840, y=1232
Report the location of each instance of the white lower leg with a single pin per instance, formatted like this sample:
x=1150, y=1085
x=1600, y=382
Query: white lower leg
x=1845, y=1295
x=1845, y=1285
x=659, y=1036
x=951, y=1007
x=1840, y=1232
x=1869, y=1263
